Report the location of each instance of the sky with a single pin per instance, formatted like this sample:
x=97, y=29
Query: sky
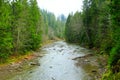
x=59, y=7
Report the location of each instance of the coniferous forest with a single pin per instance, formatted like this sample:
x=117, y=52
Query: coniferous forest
x=98, y=27
x=19, y=27
x=24, y=27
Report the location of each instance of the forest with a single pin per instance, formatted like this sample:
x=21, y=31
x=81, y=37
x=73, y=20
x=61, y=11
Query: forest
x=98, y=27
x=24, y=27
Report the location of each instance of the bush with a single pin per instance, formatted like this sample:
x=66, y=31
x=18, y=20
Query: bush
x=114, y=59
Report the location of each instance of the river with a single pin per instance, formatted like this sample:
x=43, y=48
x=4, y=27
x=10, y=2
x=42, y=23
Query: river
x=57, y=64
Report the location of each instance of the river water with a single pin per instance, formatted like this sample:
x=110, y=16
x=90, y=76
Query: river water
x=56, y=64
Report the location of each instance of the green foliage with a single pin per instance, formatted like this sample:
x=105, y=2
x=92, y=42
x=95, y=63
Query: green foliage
x=53, y=27
x=110, y=76
x=34, y=25
x=115, y=53
x=67, y=29
x=5, y=30
x=114, y=60
x=20, y=27
x=73, y=27
x=99, y=27
x=23, y=25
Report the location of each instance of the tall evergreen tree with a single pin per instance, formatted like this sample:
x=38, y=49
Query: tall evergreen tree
x=34, y=25
x=20, y=27
x=5, y=30
x=115, y=19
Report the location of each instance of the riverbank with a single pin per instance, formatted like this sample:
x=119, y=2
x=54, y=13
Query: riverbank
x=95, y=65
x=18, y=65
x=15, y=64
x=92, y=64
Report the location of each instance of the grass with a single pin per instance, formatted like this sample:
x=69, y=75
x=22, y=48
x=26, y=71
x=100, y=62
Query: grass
x=17, y=58
x=110, y=76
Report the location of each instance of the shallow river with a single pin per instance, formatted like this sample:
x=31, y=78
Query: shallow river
x=57, y=64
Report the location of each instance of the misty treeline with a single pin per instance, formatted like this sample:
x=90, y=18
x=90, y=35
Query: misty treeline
x=53, y=27
x=98, y=27
x=23, y=26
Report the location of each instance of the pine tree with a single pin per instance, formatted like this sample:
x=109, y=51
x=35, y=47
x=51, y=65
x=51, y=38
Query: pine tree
x=5, y=30
x=34, y=25
x=20, y=25
x=115, y=53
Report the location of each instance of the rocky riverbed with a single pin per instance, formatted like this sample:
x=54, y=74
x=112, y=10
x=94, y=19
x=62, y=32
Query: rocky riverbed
x=57, y=61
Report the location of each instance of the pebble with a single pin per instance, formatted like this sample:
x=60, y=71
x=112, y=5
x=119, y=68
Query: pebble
x=32, y=63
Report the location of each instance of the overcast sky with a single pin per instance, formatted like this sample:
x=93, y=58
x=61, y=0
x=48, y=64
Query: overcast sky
x=61, y=6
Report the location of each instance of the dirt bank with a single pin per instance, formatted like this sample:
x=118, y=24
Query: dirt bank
x=26, y=62
x=94, y=65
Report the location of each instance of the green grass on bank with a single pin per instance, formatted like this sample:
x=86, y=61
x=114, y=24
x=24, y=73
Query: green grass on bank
x=110, y=76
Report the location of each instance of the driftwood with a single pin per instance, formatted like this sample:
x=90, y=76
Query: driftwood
x=88, y=55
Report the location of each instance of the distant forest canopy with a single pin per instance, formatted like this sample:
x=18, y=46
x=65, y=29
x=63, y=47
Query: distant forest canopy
x=53, y=27
x=23, y=27
x=97, y=26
